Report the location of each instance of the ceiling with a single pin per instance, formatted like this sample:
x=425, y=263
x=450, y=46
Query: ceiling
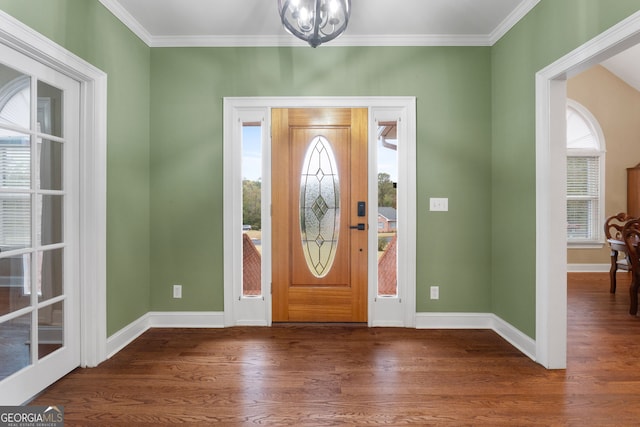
x=162, y=23
x=181, y=23
x=625, y=65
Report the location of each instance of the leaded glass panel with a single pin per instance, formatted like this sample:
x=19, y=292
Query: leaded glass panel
x=319, y=206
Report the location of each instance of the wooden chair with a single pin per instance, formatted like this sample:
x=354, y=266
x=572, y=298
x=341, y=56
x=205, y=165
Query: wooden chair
x=613, y=231
x=631, y=237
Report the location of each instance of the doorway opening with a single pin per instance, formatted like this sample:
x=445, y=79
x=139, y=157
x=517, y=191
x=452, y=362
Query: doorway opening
x=551, y=235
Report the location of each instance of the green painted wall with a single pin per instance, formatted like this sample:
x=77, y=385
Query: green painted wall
x=551, y=30
x=475, y=139
x=87, y=29
x=452, y=86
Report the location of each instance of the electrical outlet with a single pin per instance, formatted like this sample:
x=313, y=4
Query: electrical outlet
x=177, y=291
x=435, y=292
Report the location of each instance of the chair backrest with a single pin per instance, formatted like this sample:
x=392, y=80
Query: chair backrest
x=614, y=224
x=631, y=237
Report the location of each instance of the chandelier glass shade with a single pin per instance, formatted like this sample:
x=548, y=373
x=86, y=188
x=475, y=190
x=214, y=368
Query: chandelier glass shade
x=315, y=21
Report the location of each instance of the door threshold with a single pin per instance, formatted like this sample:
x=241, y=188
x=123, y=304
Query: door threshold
x=320, y=324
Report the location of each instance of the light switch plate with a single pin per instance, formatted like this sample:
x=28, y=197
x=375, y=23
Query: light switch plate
x=438, y=204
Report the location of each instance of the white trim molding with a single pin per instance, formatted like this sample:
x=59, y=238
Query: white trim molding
x=276, y=40
x=93, y=176
x=128, y=20
x=215, y=320
x=514, y=17
x=588, y=268
x=489, y=321
x=551, y=235
x=240, y=310
x=168, y=319
x=389, y=40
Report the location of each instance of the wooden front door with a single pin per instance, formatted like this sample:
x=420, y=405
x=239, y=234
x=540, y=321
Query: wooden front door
x=319, y=178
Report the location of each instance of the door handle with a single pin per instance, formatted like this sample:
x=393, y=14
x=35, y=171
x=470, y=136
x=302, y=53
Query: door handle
x=360, y=226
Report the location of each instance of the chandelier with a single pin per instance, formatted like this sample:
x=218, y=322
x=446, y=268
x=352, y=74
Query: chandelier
x=315, y=21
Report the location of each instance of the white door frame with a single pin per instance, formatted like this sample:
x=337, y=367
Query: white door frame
x=239, y=310
x=551, y=235
x=93, y=168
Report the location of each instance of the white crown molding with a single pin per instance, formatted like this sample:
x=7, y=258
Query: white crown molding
x=128, y=20
x=225, y=41
x=286, y=40
x=342, y=41
x=512, y=19
x=412, y=40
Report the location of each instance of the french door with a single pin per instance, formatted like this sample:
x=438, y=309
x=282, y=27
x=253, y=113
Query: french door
x=39, y=207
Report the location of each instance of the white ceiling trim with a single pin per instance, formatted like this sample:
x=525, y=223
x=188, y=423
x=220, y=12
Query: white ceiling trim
x=346, y=40
x=127, y=19
x=511, y=20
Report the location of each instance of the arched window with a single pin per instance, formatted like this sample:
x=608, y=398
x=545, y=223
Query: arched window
x=585, y=176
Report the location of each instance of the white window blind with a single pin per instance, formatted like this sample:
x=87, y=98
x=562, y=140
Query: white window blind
x=583, y=197
x=585, y=156
x=15, y=208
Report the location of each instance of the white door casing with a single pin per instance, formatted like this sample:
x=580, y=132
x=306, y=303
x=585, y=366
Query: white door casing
x=239, y=310
x=551, y=233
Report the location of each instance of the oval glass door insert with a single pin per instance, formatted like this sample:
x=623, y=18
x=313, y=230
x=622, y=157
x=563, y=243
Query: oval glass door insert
x=319, y=206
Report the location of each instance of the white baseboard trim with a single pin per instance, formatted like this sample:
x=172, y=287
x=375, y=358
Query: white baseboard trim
x=199, y=319
x=454, y=320
x=126, y=335
x=186, y=319
x=387, y=324
x=588, y=268
x=513, y=336
x=156, y=319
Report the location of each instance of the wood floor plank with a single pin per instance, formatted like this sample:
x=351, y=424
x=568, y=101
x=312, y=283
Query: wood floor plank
x=327, y=375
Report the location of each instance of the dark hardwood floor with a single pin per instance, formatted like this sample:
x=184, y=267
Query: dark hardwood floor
x=319, y=375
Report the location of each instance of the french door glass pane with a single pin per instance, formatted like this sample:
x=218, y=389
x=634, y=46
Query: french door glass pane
x=15, y=340
x=15, y=98
x=50, y=274
x=251, y=209
x=387, y=205
x=14, y=283
x=49, y=109
x=15, y=221
x=50, y=213
x=15, y=160
x=50, y=159
x=50, y=328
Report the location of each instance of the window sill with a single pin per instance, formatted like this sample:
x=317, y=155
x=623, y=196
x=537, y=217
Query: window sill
x=585, y=245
